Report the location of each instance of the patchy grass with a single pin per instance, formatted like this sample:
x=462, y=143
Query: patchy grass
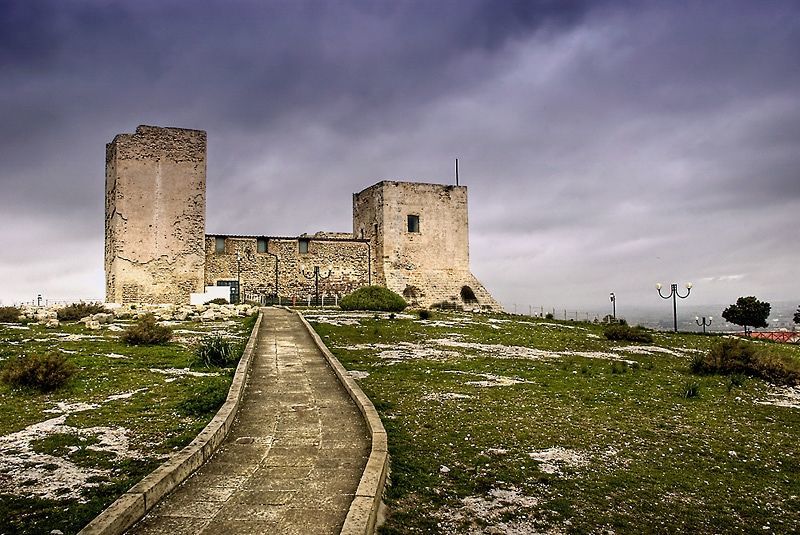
x=66, y=455
x=524, y=425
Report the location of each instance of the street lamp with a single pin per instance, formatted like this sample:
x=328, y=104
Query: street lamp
x=613, y=305
x=673, y=294
x=238, y=277
x=703, y=322
x=316, y=276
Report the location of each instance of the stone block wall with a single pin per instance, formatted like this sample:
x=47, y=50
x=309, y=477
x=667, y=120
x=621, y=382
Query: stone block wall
x=429, y=262
x=155, y=215
x=346, y=259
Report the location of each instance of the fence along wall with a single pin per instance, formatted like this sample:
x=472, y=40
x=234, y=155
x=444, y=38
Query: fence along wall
x=347, y=260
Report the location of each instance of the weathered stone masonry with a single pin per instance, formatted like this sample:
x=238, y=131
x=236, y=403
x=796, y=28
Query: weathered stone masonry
x=155, y=215
x=345, y=259
x=411, y=237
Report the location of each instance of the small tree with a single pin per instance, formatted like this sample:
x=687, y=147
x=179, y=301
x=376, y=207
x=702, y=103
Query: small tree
x=797, y=315
x=748, y=312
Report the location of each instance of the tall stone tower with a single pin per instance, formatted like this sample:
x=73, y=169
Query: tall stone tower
x=420, y=240
x=155, y=215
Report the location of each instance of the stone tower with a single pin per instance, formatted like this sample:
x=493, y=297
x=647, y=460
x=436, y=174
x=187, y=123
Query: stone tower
x=155, y=215
x=420, y=241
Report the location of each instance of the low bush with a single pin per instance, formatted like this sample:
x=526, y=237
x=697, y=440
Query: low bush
x=9, y=314
x=691, y=389
x=424, y=314
x=217, y=351
x=373, y=298
x=733, y=356
x=218, y=301
x=619, y=367
x=736, y=380
x=622, y=331
x=76, y=311
x=146, y=332
x=40, y=372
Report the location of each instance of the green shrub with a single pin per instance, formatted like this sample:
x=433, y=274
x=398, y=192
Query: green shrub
x=216, y=351
x=619, y=367
x=40, y=372
x=373, y=298
x=691, y=389
x=424, y=314
x=731, y=356
x=146, y=332
x=736, y=380
x=548, y=316
x=76, y=311
x=208, y=399
x=622, y=331
x=218, y=301
x=9, y=314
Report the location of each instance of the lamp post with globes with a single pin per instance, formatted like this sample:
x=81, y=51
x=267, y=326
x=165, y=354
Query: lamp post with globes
x=703, y=323
x=674, y=294
x=238, y=277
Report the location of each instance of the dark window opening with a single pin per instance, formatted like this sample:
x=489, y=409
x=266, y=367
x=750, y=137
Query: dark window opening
x=302, y=246
x=219, y=245
x=413, y=223
x=261, y=245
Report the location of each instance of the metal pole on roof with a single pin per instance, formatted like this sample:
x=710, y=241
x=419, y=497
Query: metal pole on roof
x=456, y=171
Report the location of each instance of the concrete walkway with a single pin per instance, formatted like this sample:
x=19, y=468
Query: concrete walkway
x=292, y=460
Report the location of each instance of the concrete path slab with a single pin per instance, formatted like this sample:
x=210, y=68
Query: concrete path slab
x=292, y=460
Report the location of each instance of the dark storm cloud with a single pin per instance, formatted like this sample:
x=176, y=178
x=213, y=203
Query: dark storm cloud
x=594, y=136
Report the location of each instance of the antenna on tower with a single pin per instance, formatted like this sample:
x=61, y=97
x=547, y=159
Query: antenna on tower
x=456, y=171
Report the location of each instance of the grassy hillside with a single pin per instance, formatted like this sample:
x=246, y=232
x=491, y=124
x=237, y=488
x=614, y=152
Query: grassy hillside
x=500, y=425
x=66, y=455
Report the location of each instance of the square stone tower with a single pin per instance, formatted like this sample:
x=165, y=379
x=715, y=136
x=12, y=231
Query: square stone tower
x=155, y=215
x=420, y=240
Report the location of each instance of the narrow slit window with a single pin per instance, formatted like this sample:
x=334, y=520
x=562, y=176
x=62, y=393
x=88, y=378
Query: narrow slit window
x=413, y=223
x=302, y=246
x=261, y=245
x=219, y=245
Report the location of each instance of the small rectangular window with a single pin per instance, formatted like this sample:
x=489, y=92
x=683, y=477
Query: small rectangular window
x=219, y=245
x=261, y=245
x=413, y=223
x=302, y=246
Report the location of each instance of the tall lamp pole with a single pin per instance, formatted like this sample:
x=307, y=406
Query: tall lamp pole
x=703, y=323
x=275, y=256
x=316, y=277
x=674, y=294
x=238, y=277
x=613, y=305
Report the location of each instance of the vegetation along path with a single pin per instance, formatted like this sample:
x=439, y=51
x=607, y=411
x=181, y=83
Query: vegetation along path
x=293, y=458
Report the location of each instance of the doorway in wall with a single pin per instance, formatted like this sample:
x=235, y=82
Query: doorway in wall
x=234, y=288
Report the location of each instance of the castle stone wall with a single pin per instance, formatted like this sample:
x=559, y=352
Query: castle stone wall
x=156, y=249
x=428, y=264
x=346, y=259
x=155, y=215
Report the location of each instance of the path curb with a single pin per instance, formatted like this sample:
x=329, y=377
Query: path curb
x=134, y=504
x=363, y=513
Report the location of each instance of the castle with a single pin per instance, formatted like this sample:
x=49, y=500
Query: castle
x=410, y=237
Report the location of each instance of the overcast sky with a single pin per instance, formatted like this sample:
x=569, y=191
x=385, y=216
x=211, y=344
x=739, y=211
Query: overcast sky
x=606, y=145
